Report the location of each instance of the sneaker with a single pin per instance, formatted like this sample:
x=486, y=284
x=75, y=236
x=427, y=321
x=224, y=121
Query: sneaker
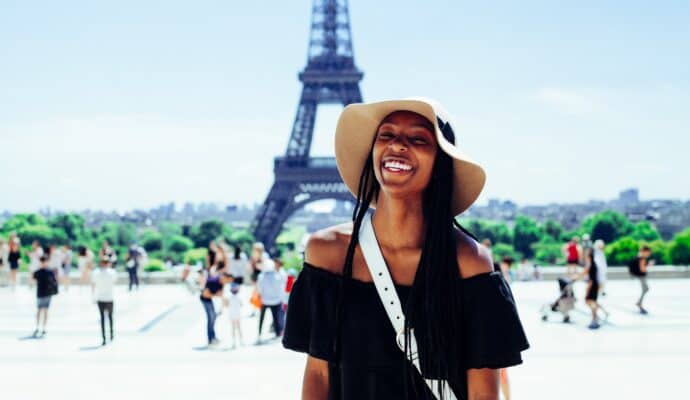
x=643, y=311
x=43, y=333
x=566, y=319
x=35, y=334
x=594, y=325
x=214, y=344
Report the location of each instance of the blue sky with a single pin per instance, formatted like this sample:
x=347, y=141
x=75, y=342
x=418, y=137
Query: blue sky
x=130, y=104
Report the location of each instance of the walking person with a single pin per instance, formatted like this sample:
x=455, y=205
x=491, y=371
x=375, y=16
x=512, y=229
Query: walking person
x=108, y=253
x=638, y=268
x=271, y=285
x=46, y=288
x=235, y=304
x=102, y=289
x=211, y=254
x=213, y=287
x=35, y=259
x=238, y=266
x=84, y=264
x=4, y=264
x=13, y=258
x=572, y=252
x=591, y=271
x=133, y=263
x=405, y=279
x=66, y=265
x=602, y=265
x=56, y=258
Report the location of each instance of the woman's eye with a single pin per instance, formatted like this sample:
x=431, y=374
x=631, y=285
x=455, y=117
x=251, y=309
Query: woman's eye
x=385, y=135
x=418, y=140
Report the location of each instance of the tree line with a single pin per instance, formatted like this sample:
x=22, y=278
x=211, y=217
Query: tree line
x=523, y=238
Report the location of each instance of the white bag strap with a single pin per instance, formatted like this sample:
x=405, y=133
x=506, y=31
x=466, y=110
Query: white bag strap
x=391, y=303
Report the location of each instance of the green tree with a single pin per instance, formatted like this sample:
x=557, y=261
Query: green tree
x=152, y=241
x=43, y=233
x=554, y=230
x=679, y=251
x=607, y=225
x=660, y=251
x=497, y=232
x=179, y=244
x=622, y=251
x=645, y=231
x=18, y=221
x=501, y=250
x=195, y=255
x=525, y=234
x=71, y=224
x=547, y=250
x=207, y=231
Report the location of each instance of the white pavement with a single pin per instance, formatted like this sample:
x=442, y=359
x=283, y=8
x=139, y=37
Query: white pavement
x=159, y=349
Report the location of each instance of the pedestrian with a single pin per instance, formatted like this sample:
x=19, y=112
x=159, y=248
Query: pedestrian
x=638, y=269
x=109, y=253
x=602, y=265
x=46, y=288
x=56, y=257
x=592, y=273
x=13, y=257
x=35, y=256
x=238, y=266
x=506, y=267
x=66, y=265
x=211, y=254
x=103, y=282
x=235, y=304
x=213, y=287
x=572, y=253
x=271, y=284
x=84, y=264
x=403, y=278
x=4, y=255
x=133, y=263
x=259, y=260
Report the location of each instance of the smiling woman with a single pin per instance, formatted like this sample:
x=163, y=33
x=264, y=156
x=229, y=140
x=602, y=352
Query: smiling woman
x=402, y=303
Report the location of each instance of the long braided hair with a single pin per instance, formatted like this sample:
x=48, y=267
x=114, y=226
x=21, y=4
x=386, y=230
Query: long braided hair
x=434, y=307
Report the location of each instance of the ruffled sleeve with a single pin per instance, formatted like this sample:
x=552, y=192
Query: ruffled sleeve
x=492, y=330
x=310, y=320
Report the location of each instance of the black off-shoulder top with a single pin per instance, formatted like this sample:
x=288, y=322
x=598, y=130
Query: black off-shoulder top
x=371, y=365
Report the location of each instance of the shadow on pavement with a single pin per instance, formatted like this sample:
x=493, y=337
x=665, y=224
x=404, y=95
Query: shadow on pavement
x=91, y=348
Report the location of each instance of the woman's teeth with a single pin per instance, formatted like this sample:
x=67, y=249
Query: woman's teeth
x=396, y=166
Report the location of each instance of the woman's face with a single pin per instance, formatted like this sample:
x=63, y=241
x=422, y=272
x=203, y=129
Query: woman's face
x=403, y=153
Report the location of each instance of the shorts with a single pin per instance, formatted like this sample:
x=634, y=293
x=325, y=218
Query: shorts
x=592, y=291
x=14, y=265
x=238, y=280
x=255, y=275
x=43, y=302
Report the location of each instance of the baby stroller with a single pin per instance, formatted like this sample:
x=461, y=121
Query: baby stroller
x=563, y=304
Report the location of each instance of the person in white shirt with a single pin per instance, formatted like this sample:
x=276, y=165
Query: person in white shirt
x=103, y=283
x=271, y=284
x=234, y=304
x=238, y=264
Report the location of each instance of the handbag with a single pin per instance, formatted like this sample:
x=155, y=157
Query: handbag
x=391, y=302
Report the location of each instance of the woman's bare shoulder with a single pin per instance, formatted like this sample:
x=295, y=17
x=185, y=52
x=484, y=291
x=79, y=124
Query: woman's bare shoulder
x=473, y=257
x=326, y=249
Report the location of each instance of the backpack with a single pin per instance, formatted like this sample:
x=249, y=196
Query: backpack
x=634, y=267
x=52, y=284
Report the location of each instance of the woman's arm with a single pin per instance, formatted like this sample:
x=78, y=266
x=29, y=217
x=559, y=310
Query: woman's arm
x=315, y=383
x=482, y=384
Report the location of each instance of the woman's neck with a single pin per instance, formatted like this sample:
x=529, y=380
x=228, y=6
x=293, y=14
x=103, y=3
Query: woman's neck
x=398, y=222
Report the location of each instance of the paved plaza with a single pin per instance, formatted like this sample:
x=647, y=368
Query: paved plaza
x=159, y=349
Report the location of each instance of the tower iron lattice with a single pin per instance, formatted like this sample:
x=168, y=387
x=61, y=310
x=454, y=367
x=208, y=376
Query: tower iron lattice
x=330, y=77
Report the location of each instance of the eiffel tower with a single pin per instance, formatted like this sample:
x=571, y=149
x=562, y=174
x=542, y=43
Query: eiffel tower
x=330, y=77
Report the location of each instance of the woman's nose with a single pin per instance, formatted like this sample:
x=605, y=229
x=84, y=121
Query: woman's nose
x=398, y=145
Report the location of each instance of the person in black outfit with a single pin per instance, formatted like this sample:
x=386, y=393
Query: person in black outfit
x=400, y=157
x=591, y=271
x=46, y=287
x=638, y=269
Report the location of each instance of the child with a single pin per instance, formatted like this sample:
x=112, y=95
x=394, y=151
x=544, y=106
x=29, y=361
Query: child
x=46, y=287
x=235, y=313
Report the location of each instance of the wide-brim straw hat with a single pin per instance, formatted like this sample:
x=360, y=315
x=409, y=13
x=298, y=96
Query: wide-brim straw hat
x=354, y=137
